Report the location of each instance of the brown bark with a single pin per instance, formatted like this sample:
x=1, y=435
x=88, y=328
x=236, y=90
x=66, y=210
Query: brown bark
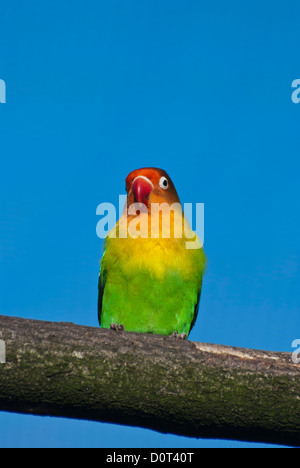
x=162, y=383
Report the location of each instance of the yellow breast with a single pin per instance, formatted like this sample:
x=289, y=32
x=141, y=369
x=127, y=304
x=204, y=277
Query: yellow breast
x=138, y=245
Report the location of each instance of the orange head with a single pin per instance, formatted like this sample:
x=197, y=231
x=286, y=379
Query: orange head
x=150, y=185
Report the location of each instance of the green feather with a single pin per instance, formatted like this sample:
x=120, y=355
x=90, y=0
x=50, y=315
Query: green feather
x=143, y=301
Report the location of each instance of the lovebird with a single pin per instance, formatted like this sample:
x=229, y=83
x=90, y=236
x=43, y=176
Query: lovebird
x=150, y=277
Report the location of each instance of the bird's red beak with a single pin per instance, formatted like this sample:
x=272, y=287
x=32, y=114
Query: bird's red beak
x=142, y=187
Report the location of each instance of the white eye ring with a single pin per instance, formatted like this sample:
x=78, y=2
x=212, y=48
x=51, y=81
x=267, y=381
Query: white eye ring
x=163, y=183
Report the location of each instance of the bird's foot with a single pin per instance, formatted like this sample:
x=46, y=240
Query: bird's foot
x=114, y=326
x=181, y=336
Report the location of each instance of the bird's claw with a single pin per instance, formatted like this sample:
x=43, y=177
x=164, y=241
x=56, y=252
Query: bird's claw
x=114, y=326
x=181, y=336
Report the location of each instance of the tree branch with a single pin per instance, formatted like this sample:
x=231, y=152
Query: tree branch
x=157, y=382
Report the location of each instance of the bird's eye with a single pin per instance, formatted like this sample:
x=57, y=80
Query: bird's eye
x=163, y=183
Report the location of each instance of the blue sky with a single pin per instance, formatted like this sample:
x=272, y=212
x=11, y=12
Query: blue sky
x=203, y=90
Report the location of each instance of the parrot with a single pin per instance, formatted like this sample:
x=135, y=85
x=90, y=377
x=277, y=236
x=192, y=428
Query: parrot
x=149, y=282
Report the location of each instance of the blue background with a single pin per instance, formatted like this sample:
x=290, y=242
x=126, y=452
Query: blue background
x=96, y=89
